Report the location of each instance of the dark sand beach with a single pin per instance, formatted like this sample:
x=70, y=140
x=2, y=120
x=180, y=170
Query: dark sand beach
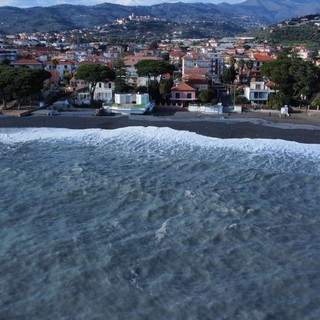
x=300, y=127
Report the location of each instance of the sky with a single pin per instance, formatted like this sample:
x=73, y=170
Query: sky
x=46, y=3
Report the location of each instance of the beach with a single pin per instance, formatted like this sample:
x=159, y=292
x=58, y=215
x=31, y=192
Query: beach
x=301, y=127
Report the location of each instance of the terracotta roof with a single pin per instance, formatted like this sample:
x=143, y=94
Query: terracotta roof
x=182, y=87
x=270, y=84
x=189, y=71
x=263, y=57
x=194, y=77
x=177, y=54
x=27, y=61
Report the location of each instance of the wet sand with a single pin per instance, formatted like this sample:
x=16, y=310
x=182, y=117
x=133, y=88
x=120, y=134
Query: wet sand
x=299, y=127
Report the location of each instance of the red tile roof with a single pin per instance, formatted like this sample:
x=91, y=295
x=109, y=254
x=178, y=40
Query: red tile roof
x=27, y=62
x=194, y=77
x=270, y=84
x=182, y=87
x=177, y=54
x=189, y=71
x=263, y=57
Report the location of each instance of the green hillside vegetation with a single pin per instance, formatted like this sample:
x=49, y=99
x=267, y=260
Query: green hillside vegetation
x=146, y=31
x=308, y=34
x=249, y=14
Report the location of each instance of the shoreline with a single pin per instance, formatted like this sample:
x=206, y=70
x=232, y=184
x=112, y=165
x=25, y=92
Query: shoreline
x=300, y=127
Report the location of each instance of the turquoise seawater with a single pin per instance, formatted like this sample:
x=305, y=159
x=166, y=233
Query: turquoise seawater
x=152, y=223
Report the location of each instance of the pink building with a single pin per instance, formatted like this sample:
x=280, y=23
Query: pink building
x=183, y=92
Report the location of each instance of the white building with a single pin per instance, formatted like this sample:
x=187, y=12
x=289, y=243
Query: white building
x=129, y=98
x=257, y=92
x=104, y=91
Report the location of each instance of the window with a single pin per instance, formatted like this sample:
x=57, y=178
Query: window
x=177, y=95
x=189, y=95
x=259, y=95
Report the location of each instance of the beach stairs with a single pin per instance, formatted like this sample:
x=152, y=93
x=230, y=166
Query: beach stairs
x=149, y=107
x=223, y=96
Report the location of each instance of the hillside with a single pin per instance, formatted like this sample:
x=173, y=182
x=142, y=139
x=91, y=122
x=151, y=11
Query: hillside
x=272, y=11
x=302, y=30
x=249, y=14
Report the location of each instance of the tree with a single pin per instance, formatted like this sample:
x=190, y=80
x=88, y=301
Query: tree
x=294, y=79
x=20, y=82
x=141, y=89
x=120, y=76
x=316, y=101
x=231, y=61
x=27, y=81
x=165, y=56
x=67, y=77
x=206, y=95
x=229, y=75
x=94, y=73
x=241, y=100
x=153, y=90
x=249, y=65
x=153, y=68
x=154, y=45
x=240, y=65
x=165, y=87
x=5, y=61
x=6, y=76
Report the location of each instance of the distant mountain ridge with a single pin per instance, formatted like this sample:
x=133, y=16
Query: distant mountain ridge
x=248, y=14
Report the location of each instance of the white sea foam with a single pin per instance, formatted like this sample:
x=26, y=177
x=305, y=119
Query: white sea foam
x=161, y=232
x=159, y=136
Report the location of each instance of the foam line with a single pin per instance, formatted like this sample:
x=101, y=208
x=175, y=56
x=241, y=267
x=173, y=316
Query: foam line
x=161, y=136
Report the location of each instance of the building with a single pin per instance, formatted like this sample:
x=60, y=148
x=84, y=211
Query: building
x=258, y=92
x=64, y=68
x=31, y=63
x=183, y=92
x=209, y=65
x=104, y=91
x=8, y=54
x=130, y=62
x=197, y=82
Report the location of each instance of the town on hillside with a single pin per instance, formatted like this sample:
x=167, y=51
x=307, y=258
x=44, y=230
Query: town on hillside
x=175, y=73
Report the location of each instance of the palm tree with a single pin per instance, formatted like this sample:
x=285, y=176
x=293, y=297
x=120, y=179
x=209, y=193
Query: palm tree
x=249, y=65
x=231, y=61
x=240, y=65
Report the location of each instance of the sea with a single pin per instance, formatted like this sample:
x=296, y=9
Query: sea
x=146, y=223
